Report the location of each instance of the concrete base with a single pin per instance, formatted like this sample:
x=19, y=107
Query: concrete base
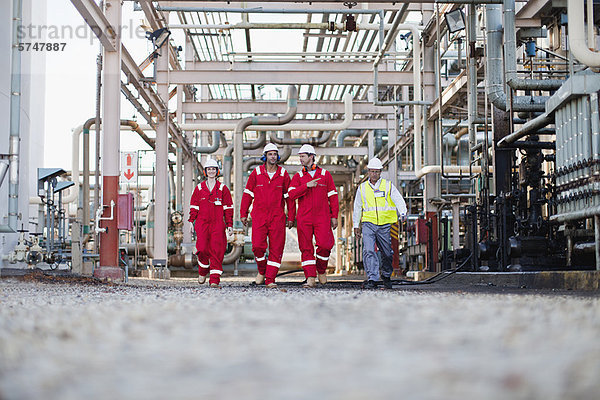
x=87, y=268
x=110, y=273
x=156, y=273
x=566, y=280
x=420, y=275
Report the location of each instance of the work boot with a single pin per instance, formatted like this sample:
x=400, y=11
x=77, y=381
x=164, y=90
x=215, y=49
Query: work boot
x=369, y=285
x=215, y=285
x=272, y=285
x=201, y=279
x=322, y=278
x=260, y=279
x=387, y=282
x=310, y=282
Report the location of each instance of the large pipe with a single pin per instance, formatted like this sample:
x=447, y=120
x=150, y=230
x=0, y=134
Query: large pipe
x=317, y=140
x=510, y=50
x=233, y=255
x=495, y=68
x=529, y=127
x=347, y=133
x=417, y=102
x=216, y=140
x=577, y=42
x=319, y=126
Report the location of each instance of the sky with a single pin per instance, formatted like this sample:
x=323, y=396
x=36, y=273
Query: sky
x=70, y=96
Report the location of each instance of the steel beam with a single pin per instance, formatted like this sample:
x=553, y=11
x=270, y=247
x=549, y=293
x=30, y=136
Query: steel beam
x=355, y=124
x=92, y=14
x=295, y=5
x=324, y=73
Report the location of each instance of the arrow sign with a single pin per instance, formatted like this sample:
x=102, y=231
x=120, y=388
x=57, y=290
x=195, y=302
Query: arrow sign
x=129, y=167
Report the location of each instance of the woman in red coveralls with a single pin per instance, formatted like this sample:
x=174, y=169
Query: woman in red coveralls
x=211, y=212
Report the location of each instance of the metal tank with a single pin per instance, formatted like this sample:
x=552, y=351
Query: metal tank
x=23, y=93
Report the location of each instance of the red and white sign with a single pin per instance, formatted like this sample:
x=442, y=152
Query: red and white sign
x=129, y=160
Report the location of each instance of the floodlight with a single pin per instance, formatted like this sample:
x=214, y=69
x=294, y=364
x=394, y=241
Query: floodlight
x=158, y=37
x=455, y=20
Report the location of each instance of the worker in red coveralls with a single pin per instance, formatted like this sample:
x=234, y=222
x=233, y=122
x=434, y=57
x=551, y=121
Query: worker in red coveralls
x=317, y=214
x=211, y=212
x=267, y=186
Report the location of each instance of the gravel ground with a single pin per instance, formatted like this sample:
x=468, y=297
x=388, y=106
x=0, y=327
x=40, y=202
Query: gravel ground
x=176, y=340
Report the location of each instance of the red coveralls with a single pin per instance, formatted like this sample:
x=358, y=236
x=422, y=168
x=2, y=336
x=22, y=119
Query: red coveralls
x=212, y=212
x=316, y=207
x=268, y=217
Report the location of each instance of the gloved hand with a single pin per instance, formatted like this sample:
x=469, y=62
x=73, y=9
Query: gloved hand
x=229, y=231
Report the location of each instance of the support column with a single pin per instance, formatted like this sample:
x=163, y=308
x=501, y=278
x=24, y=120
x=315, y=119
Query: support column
x=161, y=187
x=188, y=164
x=111, y=119
x=431, y=142
x=179, y=164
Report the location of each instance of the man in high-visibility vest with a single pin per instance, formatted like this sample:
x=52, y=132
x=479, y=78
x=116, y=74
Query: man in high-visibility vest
x=377, y=205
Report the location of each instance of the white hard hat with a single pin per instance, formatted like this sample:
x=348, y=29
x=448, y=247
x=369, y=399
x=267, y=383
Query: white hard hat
x=270, y=147
x=211, y=162
x=307, y=148
x=375, y=163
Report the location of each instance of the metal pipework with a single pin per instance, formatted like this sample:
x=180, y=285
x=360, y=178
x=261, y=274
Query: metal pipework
x=577, y=42
x=494, y=65
x=528, y=128
x=228, y=159
x=320, y=126
x=216, y=140
x=510, y=50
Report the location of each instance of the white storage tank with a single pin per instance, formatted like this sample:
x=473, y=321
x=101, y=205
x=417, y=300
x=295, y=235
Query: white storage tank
x=31, y=117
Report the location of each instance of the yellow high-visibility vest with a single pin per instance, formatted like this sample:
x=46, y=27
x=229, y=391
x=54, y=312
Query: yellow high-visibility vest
x=380, y=209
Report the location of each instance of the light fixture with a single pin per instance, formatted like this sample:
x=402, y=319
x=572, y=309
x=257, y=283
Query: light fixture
x=455, y=20
x=158, y=37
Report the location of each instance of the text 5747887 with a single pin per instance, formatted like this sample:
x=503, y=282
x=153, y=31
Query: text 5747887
x=41, y=46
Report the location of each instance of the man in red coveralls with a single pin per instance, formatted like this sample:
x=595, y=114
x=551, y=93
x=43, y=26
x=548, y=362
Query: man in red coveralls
x=267, y=186
x=317, y=214
x=211, y=212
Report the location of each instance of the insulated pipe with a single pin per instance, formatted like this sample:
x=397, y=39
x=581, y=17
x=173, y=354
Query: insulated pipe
x=345, y=133
x=529, y=127
x=231, y=125
x=417, y=102
x=75, y=137
x=577, y=42
x=150, y=230
x=575, y=215
x=216, y=140
x=228, y=159
x=495, y=68
x=238, y=140
x=15, y=121
x=510, y=50
x=323, y=138
x=233, y=255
